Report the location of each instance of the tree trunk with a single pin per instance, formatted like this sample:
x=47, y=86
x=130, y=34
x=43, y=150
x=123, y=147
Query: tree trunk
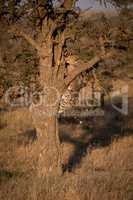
x=48, y=149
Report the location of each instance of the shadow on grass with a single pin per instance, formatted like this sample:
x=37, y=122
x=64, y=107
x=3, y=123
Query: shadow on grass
x=115, y=125
x=29, y=136
x=2, y=125
x=6, y=175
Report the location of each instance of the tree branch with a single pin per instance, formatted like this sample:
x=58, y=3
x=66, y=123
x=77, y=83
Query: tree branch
x=26, y=37
x=85, y=66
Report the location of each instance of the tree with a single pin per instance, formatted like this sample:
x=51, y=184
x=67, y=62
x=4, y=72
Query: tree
x=116, y=3
x=55, y=30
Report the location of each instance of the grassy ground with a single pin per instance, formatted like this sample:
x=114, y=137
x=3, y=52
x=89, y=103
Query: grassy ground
x=98, y=160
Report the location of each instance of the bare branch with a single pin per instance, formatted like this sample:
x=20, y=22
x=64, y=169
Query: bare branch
x=27, y=37
x=84, y=66
x=60, y=49
x=102, y=45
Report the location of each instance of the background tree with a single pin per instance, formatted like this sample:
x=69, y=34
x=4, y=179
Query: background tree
x=116, y=3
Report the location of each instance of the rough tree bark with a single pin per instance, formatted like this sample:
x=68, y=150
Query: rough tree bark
x=48, y=146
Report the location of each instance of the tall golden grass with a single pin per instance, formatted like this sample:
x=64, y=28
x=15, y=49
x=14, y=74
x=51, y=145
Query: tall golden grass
x=105, y=172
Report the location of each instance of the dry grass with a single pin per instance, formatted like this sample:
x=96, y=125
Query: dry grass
x=105, y=172
x=18, y=119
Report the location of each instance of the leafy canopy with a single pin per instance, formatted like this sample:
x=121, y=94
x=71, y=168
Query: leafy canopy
x=16, y=8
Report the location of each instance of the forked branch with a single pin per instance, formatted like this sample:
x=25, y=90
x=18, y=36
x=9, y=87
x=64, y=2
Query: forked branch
x=85, y=66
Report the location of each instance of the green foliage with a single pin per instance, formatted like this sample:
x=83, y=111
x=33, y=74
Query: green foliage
x=1, y=7
x=11, y=7
x=85, y=54
x=24, y=56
